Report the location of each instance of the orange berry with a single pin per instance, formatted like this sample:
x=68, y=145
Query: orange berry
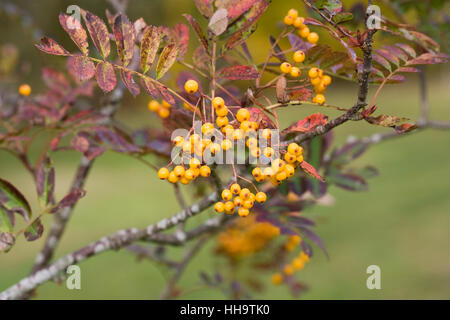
x=25, y=90
x=165, y=104
x=277, y=278
x=163, y=113
x=288, y=270
x=153, y=105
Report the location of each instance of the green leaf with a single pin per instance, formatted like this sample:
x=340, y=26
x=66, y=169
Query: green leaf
x=332, y=6
x=342, y=17
x=34, y=231
x=45, y=182
x=13, y=200
x=105, y=76
x=166, y=59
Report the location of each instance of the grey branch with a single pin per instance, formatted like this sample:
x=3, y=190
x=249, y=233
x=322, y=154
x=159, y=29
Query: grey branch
x=114, y=241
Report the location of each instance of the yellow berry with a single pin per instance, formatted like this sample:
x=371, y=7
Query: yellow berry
x=237, y=201
x=288, y=270
x=320, y=98
x=268, y=172
x=229, y=207
x=257, y=172
x=222, y=111
x=228, y=130
x=205, y=171
x=191, y=86
x=277, y=165
x=299, y=56
x=245, y=125
x=326, y=80
x=300, y=159
x=184, y=180
x=25, y=90
x=179, y=171
x=304, y=32
x=221, y=121
x=288, y=20
x=214, y=148
x=268, y=152
x=207, y=128
x=243, y=212
x=153, y=105
x=248, y=204
x=163, y=173
x=281, y=176
x=172, y=177
x=255, y=152
x=289, y=169
x=219, y=207
x=235, y=188
x=290, y=158
x=243, y=115
x=315, y=81
x=304, y=256
x=252, y=142
x=285, y=67
x=313, y=73
x=218, y=102
x=313, y=38
x=298, y=264
x=226, y=144
x=194, y=163
x=320, y=88
x=245, y=194
x=226, y=195
x=293, y=148
x=298, y=22
x=260, y=178
x=277, y=278
x=295, y=72
x=293, y=13
x=178, y=141
x=261, y=197
x=163, y=112
x=238, y=134
x=165, y=104
x=267, y=134
x=189, y=174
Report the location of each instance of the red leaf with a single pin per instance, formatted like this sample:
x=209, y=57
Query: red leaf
x=309, y=169
x=181, y=36
x=198, y=30
x=205, y=7
x=149, y=47
x=128, y=81
x=239, y=73
x=50, y=46
x=258, y=116
x=80, y=68
x=124, y=35
x=302, y=94
x=76, y=32
x=98, y=32
x=150, y=87
x=106, y=77
x=236, y=8
x=307, y=124
x=56, y=81
x=406, y=127
x=80, y=143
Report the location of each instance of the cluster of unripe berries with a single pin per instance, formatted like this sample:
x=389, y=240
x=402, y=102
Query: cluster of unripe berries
x=245, y=237
x=280, y=169
x=24, y=90
x=320, y=81
x=292, y=19
x=296, y=264
x=238, y=198
x=183, y=175
x=162, y=109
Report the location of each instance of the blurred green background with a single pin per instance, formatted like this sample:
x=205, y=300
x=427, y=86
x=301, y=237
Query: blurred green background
x=401, y=224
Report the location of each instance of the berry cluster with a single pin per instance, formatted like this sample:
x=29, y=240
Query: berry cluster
x=162, y=109
x=279, y=170
x=245, y=237
x=243, y=200
x=292, y=19
x=296, y=264
x=320, y=81
x=185, y=176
